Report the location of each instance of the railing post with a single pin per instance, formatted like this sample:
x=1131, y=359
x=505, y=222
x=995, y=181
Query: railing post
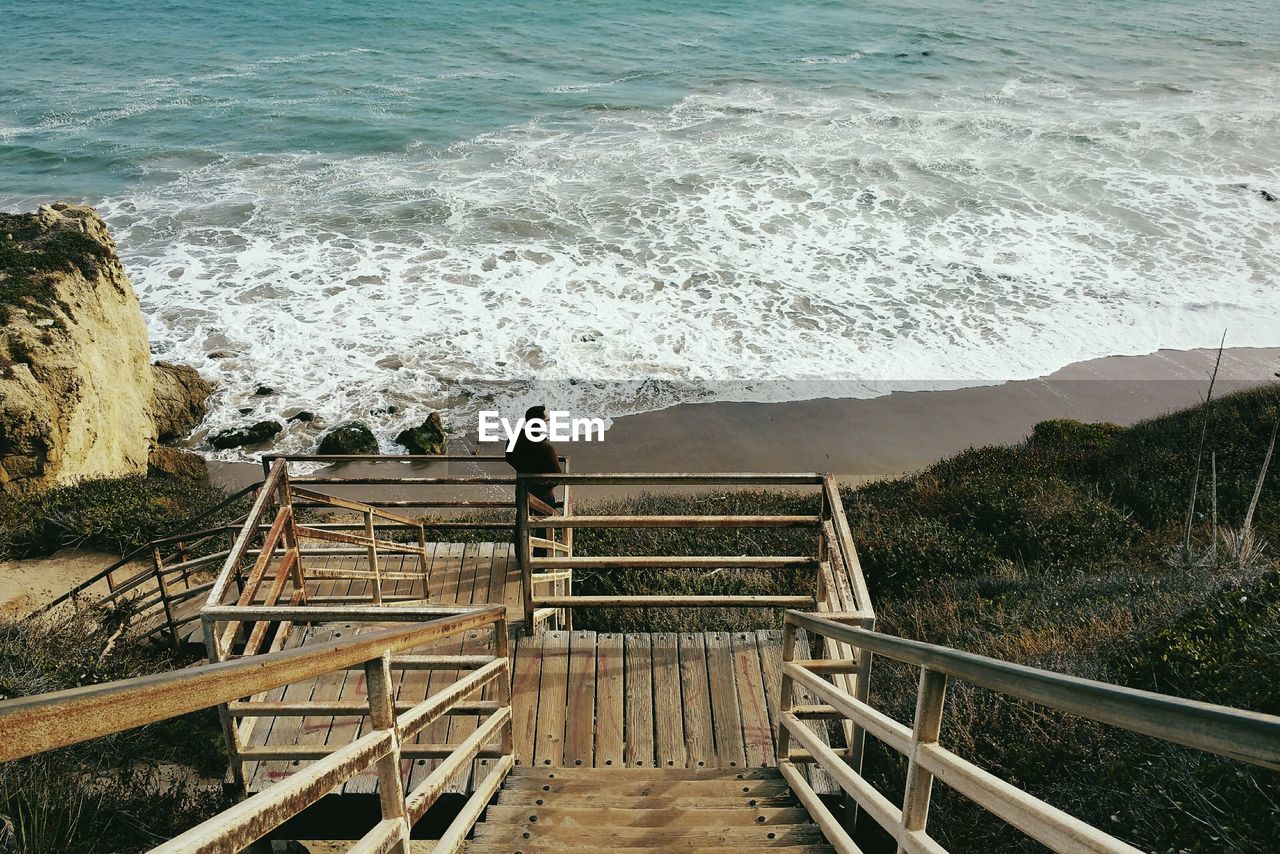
x=567, y=534
x=183, y=558
x=502, y=651
x=523, y=552
x=785, y=696
x=230, y=733
x=928, y=723
x=286, y=498
x=377, y=674
x=862, y=691
x=157, y=562
x=373, y=557
x=422, y=560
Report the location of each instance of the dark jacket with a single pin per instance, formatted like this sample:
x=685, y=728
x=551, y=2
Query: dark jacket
x=536, y=458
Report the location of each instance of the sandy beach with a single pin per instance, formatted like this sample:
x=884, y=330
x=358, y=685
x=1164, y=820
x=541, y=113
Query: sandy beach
x=862, y=439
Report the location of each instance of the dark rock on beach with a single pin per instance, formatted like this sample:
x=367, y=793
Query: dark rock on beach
x=349, y=438
x=305, y=416
x=427, y=438
x=239, y=437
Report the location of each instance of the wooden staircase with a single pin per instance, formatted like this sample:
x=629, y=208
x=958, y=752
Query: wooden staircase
x=646, y=809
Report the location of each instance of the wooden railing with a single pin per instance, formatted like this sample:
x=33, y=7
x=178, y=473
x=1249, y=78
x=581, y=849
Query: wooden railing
x=1237, y=734
x=832, y=560
x=48, y=721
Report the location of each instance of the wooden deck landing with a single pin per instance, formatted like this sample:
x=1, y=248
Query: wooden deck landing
x=463, y=574
x=690, y=700
x=579, y=699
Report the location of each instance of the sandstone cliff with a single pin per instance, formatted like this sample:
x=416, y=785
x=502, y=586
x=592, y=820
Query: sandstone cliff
x=78, y=392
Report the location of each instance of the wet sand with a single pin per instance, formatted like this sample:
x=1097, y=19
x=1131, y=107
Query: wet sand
x=890, y=435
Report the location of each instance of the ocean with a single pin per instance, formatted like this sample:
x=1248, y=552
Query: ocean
x=385, y=208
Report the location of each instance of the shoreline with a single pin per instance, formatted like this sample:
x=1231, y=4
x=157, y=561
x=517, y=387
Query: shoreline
x=862, y=439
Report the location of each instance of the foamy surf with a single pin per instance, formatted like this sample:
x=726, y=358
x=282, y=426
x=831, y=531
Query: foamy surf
x=753, y=238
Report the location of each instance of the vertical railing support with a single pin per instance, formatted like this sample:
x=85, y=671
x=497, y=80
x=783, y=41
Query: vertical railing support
x=157, y=562
x=785, y=696
x=928, y=724
x=373, y=557
x=377, y=674
x=422, y=560
x=502, y=651
x=523, y=553
x=236, y=768
x=568, y=544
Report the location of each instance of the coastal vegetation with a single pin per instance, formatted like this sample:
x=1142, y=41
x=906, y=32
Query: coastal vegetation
x=1066, y=551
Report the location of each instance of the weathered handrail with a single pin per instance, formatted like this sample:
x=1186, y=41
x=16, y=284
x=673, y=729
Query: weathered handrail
x=48, y=721
x=830, y=580
x=1233, y=733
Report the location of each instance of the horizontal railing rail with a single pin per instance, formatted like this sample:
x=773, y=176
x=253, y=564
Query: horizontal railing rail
x=1233, y=733
x=541, y=562
x=48, y=721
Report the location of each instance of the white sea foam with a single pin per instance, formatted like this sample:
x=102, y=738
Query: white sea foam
x=841, y=245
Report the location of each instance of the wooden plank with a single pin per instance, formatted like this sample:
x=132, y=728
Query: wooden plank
x=471, y=587
x=571, y=815
x=638, y=681
x=524, y=696
x=609, y=701
x=699, y=738
x=443, y=580
x=769, y=647
x=645, y=787
x=729, y=776
x=668, y=721
x=579, y=737
x=725, y=714
x=757, y=736
x=413, y=684
x=676, y=798
x=493, y=575
x=665, y=838
x=513, y=594
x=553, y=689
x=261, y=732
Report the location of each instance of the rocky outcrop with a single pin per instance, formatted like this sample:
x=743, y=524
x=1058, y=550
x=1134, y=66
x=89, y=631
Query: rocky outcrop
x=427, y=438
x=180, y=400
x=78, y=394
x=171, y=462
x=350, y=438
x=252, y=434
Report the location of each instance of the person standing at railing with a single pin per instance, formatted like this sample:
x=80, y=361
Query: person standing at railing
x=530, y=456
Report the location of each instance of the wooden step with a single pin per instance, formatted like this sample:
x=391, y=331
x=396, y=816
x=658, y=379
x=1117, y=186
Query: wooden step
x=587, y=847
x=669, y=838
x=652, y=788
x=569, y=814
x=680, y=774
x=679, y=799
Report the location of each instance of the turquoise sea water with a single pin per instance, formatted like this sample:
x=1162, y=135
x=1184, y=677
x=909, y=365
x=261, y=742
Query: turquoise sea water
x=438, y=203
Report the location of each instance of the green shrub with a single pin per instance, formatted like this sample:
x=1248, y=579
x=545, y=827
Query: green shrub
x=114, y=514
x=123, y=792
